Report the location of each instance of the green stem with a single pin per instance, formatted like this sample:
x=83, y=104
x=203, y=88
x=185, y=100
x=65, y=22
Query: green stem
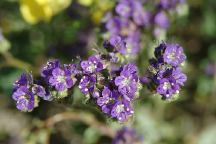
x=14, y=62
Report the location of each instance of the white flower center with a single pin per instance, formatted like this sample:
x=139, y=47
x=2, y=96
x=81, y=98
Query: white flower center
x=120, y=108
x=126, y=81
x=166, y=86
x=91, y=67
x=171, y=56
x=61, y=79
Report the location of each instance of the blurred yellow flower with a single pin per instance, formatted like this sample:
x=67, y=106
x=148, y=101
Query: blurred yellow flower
x=97, y=8
x=101, y=7
x=34, y=11
x=85, y=2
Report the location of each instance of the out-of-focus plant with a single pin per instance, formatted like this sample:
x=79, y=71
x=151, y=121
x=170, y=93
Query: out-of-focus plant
x=4, y=43
x=98, y=8
x=34, y=11
x=130, y=19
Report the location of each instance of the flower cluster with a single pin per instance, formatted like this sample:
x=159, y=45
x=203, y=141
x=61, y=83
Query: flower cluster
x=130, y=15
x=127, y=136
x=161, y=14
x=118, y=94
x=133, y=16
x=114, y=91
x=26, y=93
x=92, y=76
x=165, y=74
x=59, y=78
x=112, y=87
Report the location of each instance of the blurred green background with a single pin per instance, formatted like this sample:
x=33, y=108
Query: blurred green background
x=73, y=31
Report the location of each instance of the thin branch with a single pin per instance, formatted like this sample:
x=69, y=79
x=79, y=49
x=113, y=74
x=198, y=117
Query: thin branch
x=82, y=117
x=14, y=62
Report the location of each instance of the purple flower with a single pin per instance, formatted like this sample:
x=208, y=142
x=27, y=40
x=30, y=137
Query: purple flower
x=119, y=26
x=122, y=110
x=179, y=76
x=118, y=44
x=23, y=80
x=25, y=99
x=87, y=84
x=60, y=80
x=106, y=100
x=127, y=136
x=72, y=69
x=25, y=92
x=106, y=95
x=124, y=8
x=114, y=104
x=165, y=3
x=162, y=20
x=140, y=16
x=167, y=87
x=133, y=43
x=114, y=25
x=127, y=81
x=39, y=91
x=46, y=70
x=174, y=54
x=124, y=28
x=92, y=65
x=113, y=58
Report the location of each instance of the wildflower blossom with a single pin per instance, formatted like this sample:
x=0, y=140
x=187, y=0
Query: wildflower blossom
x=122, y=110
x=124, y=8
x=117, y=44
x=165, y=71
x=87, y=84
x=46, y=70
x=161, y=20
x=140, y=16
x=114, y=104
x=167, y=87
x=60, y=77
x=127, y=81
x=26, y=93
x=61, y=80
x=92, y=65
x=127, y=136
x=25, y=99
x=174, y=55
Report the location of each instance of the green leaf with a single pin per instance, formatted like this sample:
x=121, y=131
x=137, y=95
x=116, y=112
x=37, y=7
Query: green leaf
x=91, y=136
x=4, y=45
